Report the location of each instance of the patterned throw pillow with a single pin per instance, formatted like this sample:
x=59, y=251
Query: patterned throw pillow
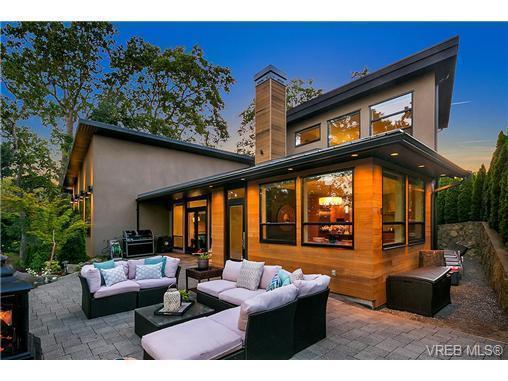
x=148, y=271
x=113, y=276
x=250, y=275
x=296, y=275
x=285, y=277
x=274, y=283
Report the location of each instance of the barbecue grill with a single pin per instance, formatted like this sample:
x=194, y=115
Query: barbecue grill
x=138, y=243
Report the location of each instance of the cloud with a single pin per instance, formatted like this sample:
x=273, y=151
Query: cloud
x=460, y=103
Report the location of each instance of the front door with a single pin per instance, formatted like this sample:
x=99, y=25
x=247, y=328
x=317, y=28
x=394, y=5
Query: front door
x=235, y=226
x=197, y=237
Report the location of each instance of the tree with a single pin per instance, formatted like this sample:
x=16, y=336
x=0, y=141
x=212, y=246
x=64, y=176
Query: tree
x=360, y=74
x=476, y=197
x=168, y=92
x=298, y=91
x=441, y=201
x=464, y=200
x=498, y=163
x=450, y=209
x=54, y=68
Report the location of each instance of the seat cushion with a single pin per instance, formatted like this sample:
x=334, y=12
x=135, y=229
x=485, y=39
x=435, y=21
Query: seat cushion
x=238, y=295
x=117, y=288
x=152, y=283
x=229, y=319
x=231, y=270
x=199, y=339
x=268, y=274
x=215, y=287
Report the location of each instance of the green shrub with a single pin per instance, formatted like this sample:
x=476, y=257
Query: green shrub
x=74, y=249
x=37, y=254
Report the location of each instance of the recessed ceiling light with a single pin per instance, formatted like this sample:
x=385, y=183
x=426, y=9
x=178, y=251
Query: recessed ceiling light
x=394, y=154
x=290, y=169
x=210, y=186
x=443, y=174
x=421, y=166
x=354, y=155
x=243, y=179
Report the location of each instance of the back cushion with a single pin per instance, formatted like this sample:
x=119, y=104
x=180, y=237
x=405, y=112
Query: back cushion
x=264, y=302
x=171, y=266
x=310, y=287
x=92, y=276
x=231, y=270
x=268, y=274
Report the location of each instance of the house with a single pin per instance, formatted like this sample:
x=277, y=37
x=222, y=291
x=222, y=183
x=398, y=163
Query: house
x=342, y=185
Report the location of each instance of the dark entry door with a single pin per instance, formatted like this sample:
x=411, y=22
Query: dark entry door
x=197, y=232
x=235, y=224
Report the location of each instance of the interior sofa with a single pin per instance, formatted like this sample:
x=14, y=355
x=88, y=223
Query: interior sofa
x=99, y=300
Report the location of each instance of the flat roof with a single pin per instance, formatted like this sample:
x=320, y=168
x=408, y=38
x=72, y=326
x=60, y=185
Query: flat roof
x=440, y=58
x=87, y=128
x=412, y=154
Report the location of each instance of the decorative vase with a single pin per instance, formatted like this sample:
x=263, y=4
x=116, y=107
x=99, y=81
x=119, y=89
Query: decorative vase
x=202, y=264
x=171, y=300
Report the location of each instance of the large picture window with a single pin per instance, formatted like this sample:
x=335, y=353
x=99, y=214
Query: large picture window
x=396, y=113
x=344, y=129
x=416, y=210
x=394, y=210
x=328, y=209
x=278, y=212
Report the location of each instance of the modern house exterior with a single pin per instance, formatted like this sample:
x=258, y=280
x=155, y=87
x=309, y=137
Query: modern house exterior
x=342, y=185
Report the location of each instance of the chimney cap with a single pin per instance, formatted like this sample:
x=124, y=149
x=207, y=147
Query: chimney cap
x=270, y=72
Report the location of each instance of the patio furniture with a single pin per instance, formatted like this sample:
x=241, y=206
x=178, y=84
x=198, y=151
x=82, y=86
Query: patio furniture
x=423, y=291
x=199, y=275
x=145, y=320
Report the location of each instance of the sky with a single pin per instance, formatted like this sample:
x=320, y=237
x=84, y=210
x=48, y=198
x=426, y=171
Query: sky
x=327, y=53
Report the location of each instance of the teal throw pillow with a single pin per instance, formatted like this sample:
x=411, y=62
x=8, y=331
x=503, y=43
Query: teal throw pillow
x=154, y=261
x=274, y=283
x=284, y=277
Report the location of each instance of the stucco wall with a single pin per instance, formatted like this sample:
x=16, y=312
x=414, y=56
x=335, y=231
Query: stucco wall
x=123, y=169
x=423, y=89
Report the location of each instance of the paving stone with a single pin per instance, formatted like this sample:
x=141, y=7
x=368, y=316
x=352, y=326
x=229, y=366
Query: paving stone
x=125, y=348
x=111, y=355
x=389, y=344
x=76, y=348
x=85, y=354
x=371, y=353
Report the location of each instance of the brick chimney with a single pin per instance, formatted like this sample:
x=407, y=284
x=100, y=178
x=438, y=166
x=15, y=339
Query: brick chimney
x=270, y=116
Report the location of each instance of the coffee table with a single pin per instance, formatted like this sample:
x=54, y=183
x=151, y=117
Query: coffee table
x=145, y=321
x=199, y=275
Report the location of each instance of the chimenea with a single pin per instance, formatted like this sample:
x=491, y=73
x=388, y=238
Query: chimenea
x=13, y=315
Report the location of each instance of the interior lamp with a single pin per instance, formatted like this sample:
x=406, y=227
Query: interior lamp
x=330, y=201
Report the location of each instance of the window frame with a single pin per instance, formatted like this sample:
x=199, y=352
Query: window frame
x=422, y=240
x=403, y=223
x=261, y=224
x=340, y=117
x=317, y=125
x=371, y=131
x=302, y=216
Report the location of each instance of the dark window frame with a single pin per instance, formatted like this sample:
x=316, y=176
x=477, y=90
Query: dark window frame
x=371, y=121
x=340, y=117
x=318, y=126
x=262, y=224
x=302, y=217
x=409, y=223
x=403, y=223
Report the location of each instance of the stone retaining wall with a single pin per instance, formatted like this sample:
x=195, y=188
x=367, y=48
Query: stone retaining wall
x=485, y=244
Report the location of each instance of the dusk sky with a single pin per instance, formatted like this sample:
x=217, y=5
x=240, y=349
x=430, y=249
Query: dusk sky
x=328, y=52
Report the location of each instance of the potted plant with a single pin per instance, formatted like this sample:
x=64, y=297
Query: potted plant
x=203, y=260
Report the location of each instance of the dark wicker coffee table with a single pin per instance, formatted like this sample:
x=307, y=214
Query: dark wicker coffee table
x=199, y=275
x=146, y=322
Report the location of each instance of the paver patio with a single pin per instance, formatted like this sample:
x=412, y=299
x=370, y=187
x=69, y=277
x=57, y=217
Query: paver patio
x=354, y=332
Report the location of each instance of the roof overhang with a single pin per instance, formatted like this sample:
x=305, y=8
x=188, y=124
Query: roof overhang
x=411, y=154
x=440, y=59
x=87, y=128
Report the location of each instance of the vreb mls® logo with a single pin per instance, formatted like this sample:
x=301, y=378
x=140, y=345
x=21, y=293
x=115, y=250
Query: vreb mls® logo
x=477, y=350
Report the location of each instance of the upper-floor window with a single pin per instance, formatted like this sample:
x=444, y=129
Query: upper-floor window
x=344, y=129
x=308, y=135
x=278, y=212
x=396, y=113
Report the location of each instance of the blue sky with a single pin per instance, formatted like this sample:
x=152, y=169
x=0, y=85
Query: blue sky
x=328, y=52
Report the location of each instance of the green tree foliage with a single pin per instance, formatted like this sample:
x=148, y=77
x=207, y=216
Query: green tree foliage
x=476, y=198
x=171, y=92
x=497, y=166
x=451, y=205
x=465, y=193
x=440, y=200
x=298, y=91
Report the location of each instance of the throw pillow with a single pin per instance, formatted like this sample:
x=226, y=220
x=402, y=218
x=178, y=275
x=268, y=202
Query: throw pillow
x=103, y=266
x=113, y=276
x=171, y=266
x=148, y=271
x=274, y=283
x=250, y=275
x=154, y=261
x=285, y=277
x=296, y=275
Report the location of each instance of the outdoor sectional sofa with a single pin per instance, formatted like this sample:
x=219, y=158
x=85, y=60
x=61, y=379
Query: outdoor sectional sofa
x=280, y=323
x=99, y=300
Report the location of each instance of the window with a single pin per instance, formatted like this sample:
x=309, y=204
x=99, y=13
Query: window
x=328, y=209
x=278, y=212
x=344, y=129
x=396, y=113
x=416, y=210
x=308, y=135
x=178, y=226
x=394, y=210
x=196, y=203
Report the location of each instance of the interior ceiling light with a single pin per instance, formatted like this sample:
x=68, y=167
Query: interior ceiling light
x=354, y=155
x=394, y=154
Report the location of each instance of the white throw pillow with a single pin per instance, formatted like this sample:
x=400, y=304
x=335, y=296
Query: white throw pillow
x=250, y=275
x=296, y=275
x=171, y=267
x=310, y=287
x=113, y=276
x=92, y=276
x=149, y=271
x=231, y=270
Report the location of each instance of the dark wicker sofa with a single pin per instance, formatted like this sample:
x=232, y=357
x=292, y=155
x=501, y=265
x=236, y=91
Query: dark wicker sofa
x=113, y=304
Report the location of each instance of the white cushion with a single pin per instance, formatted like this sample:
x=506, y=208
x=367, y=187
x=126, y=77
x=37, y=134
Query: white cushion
x=171, y=266
x=215, y=287
x=268, y=274
x=266, y=301
x=149, y=271
x=310, y=276
x=229, y=319
x=250, y=274
x=238, y=295
x=92, y=276
x=125, y=266
x=152, y=283
x=199, y=339
x=132, y=263
x=296, y=275
x=310, y=287
x=118, y=288
x=231, y=270
x=113, y=276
